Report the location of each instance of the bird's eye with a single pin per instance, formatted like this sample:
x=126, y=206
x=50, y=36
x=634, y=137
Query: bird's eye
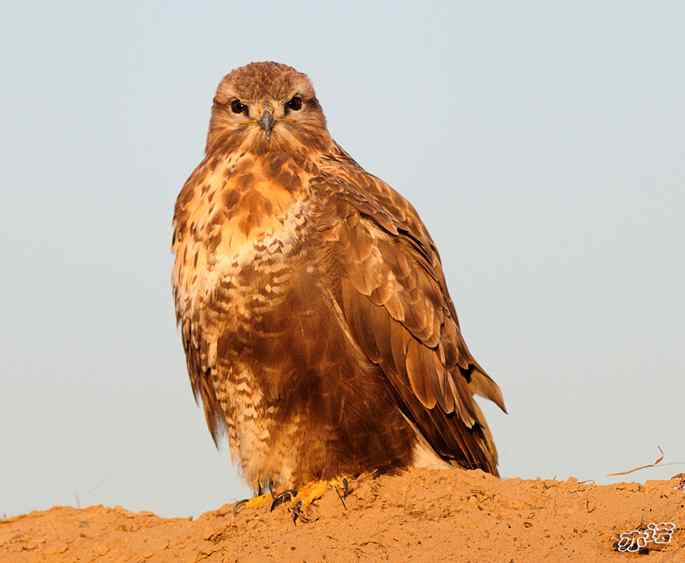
x=295, y=103
x=238, y=107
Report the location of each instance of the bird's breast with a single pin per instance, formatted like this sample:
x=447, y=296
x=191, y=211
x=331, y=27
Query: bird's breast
x=232, y=209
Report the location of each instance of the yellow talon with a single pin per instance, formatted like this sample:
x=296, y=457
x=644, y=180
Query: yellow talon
x=313, y=491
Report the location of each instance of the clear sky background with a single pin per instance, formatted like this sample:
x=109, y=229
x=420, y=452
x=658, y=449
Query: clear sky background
x=542, y=142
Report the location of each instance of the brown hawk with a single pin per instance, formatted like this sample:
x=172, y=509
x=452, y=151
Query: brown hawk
x=315, y=317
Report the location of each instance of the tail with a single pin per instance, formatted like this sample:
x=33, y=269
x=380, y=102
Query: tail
x=461, y=437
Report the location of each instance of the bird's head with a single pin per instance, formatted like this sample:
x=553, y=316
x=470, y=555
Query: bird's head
x=266, y=106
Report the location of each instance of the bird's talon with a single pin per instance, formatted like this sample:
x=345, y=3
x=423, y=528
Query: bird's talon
x=296, y=511
x=285, y=496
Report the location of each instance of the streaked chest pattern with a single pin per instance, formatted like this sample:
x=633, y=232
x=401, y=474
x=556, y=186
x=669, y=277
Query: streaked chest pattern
x=237, y=220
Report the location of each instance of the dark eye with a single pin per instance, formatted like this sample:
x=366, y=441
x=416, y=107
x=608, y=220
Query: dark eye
x=238, y=107
x=295, y=103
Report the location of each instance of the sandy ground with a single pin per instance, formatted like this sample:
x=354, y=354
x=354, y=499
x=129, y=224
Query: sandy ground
x=422, y=515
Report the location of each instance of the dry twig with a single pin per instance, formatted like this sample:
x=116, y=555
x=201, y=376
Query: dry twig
x=658, y=460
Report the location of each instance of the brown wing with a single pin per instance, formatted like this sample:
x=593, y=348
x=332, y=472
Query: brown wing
x=199, y=371
x=393, y=296
x=195, y=345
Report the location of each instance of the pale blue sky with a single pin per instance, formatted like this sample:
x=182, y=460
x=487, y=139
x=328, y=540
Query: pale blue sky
x=542, y=142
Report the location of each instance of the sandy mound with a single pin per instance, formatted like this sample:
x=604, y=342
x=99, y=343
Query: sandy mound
x=422, y=515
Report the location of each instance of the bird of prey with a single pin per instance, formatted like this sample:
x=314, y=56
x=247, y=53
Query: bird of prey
x=315, y=318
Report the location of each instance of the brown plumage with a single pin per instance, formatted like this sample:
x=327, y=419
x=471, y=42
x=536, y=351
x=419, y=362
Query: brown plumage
x=315, y=317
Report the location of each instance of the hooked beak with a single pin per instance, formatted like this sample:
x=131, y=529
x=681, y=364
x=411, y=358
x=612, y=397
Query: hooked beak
x=266, y=121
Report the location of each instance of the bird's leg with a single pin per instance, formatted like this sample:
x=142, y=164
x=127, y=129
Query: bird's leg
x=300, y=498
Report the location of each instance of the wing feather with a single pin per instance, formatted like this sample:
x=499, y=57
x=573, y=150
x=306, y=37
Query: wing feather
x=395, y=302
x=200, y=378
